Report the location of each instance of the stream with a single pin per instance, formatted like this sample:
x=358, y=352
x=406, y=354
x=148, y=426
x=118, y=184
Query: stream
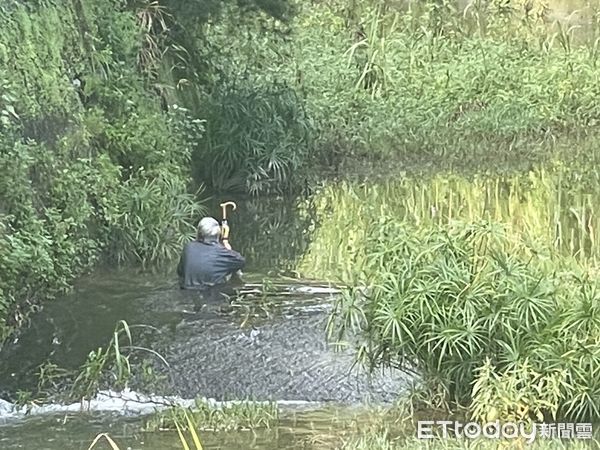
x=264, y=340
x=267, y=343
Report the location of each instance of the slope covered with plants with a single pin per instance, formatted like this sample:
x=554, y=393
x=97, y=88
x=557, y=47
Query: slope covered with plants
x=89, y=163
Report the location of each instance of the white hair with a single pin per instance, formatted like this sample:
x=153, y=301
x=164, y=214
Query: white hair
x=208, y=229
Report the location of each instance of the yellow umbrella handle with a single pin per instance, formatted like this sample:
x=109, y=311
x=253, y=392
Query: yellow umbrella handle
x=224, y=207
x=224, y=225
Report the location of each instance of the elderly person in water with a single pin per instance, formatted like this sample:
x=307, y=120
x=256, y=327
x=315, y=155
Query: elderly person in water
x=209, y=260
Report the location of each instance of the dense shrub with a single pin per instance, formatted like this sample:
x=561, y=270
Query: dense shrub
x=490, y=323
x=90, y=166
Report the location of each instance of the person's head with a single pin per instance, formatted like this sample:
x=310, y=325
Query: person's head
x=209, y=230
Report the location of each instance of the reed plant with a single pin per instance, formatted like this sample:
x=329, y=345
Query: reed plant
x=186, y=431
x=191, y=427
x=553, y=206
x=204, y=415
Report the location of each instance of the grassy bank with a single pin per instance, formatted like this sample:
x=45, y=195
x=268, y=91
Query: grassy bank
x=419, y=83
x=90, y=166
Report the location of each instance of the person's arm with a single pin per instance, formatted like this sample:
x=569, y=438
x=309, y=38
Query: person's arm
x=225, y=236
x=233, y=260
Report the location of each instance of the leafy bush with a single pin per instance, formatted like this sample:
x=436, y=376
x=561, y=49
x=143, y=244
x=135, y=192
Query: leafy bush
x=90, y=166
x=257, y=139
x=488, y=321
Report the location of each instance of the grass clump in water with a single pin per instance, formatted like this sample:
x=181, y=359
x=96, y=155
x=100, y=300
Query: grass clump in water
x=212, y=416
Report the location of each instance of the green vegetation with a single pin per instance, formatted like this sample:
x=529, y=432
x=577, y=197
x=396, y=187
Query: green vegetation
x=554, y=207
x=99, y=143
x=192, y=431
x=492, y=324
x=89, y=164
x=180, y=424
x=204, y=415
x=207, y=417
x=379, y=430
x=408, y=82
x=381, y=442
x=115, y=114
x=485, y=288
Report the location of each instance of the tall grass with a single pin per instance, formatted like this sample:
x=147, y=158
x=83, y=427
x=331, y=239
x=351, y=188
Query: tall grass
x=206, y=416
x=107, y=367
x=152, y=218
x=430, y=81
x=410, y=81
x=243, y=415
x=555, y=207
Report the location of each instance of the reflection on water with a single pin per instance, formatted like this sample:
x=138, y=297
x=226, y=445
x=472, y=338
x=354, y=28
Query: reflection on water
x=557, y=209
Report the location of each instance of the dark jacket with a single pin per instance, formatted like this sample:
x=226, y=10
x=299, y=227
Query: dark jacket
x=205, y=264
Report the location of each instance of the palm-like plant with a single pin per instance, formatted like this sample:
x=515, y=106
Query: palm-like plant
x=472, y=309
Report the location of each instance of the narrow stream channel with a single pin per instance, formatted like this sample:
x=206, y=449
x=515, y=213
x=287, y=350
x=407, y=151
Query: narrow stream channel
x=267, y=344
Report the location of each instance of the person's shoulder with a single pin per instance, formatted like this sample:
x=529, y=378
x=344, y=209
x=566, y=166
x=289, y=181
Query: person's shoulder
x=191, y=244
x=232, y=253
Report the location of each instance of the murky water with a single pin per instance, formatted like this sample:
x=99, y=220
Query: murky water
x=313, y=429
x=266, y=344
